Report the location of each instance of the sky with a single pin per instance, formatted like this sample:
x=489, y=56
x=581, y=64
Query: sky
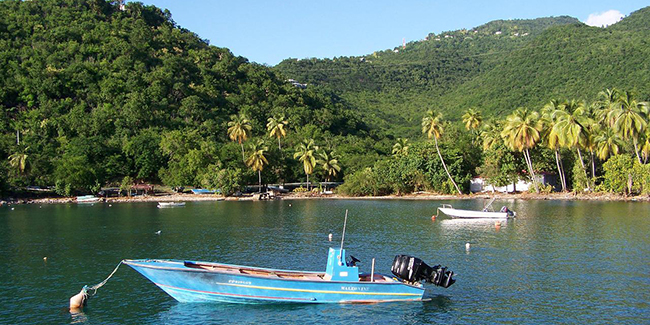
x=270, y=31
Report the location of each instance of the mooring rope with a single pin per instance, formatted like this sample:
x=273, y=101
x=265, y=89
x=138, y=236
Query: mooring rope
x=101, y=284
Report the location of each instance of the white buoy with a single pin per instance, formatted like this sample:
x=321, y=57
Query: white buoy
x=289, y=204
x=12, y=209
x=158, y=232
x=110, y=205
x=78, y=301
x=329, y=237
x=467, y=246
x=45, y=259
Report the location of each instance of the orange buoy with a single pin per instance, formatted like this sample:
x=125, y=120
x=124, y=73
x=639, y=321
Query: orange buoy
x=497, y=225
x=433, y=217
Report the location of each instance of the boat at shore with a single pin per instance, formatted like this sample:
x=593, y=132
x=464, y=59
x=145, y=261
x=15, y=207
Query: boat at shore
x=87, y=199
x=193, y=281
x=486, y=213
x=170, y=204
x=201, y=191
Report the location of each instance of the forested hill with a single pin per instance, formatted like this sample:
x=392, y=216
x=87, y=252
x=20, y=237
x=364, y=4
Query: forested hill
x=91, y=94
x=495, y=67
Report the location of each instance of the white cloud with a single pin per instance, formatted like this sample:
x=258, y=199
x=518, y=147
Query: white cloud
x=604, y=19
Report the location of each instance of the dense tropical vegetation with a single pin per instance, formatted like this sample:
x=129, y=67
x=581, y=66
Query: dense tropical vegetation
x=95, y=96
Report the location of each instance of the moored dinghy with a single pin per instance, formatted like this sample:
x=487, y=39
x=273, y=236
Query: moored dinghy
x=486, y=213
x=170, y=204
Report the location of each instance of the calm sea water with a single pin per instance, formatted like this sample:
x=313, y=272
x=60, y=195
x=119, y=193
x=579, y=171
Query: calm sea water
x=558, y=262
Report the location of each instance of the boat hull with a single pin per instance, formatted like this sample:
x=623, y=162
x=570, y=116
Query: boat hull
x=469, y=214
x=187, y=284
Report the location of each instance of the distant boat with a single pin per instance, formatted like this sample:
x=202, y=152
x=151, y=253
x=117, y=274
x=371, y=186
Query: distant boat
x=170, y=204
x=201, y=191
x=87, y=199
x=486, y=213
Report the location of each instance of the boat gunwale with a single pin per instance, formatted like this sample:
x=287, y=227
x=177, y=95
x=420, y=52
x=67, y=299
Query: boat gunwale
x=184, y=268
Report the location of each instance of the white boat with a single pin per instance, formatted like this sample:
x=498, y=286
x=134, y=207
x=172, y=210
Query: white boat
x=87, y=199
x=486, y=213
x=170, y=204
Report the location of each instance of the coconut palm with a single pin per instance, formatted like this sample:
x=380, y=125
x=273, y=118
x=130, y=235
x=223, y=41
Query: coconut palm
x=605, y=105
x=491, y=134
x=551, y=135
x=472, y=119
x=305, y=152
x=276, y=127
x=630, y=119
x=19, y=161
x=522, y=132
x=432, y=127
x=330, y=163
x=401, y=147
x=572, y=127
x=608, y=143
x=239, y=129
x=256, y=160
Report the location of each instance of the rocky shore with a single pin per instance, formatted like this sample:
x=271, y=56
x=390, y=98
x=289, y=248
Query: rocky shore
x=168, y=197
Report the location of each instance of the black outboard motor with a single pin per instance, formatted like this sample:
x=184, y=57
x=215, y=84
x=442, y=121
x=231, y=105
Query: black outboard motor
x=413, y=269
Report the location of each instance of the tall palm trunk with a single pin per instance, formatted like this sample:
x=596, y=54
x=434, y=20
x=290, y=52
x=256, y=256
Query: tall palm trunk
x=279, y=146
x=445, y=166
x=259, y=177
x=308, y=189
x=530, y=169
x=242, y=151
x=559, y=170
x=636, y=151
x=584, y=169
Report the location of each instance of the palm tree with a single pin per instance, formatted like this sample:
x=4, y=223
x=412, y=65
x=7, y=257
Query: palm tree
x=239, y=129
x=608, y=143
x=572, y=128
x=551, y=135
x=330, y=163
x=256, y=160
x=630, y=119
x=521, y=132
x=275, y=126
x=472, y=119
x=305, y=153
x=19, y=161
x=491, y=134
x=605, y=105
x=432, y=127
x=401, y=147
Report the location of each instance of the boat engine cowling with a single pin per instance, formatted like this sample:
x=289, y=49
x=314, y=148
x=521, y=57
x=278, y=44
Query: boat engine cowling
x=413, y=269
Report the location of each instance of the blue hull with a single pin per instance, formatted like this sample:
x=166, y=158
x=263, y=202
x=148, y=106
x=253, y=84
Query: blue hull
x=187, y=282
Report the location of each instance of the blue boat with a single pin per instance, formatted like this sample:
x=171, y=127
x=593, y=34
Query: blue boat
x=201, y=191
x=193, y=281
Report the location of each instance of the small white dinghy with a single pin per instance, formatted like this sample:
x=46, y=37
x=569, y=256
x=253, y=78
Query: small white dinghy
x=170, y=204
x=486, y=213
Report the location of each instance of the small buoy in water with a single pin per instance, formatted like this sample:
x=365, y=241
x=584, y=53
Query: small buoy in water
x=433, y=217
x=289, y=204
x=497, y=225
x=40, y=207
x=158, y=232
x=329, y=237
x=78, y=301
x=467, y=246
x=45, y=259
x=110, y=205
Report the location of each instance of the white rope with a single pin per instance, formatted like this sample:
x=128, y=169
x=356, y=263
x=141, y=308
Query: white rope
x=101, y=284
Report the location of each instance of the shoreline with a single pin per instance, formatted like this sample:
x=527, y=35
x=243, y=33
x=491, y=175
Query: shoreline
x=426, y=196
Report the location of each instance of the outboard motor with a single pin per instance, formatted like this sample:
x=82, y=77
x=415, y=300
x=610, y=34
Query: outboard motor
x=413, y=269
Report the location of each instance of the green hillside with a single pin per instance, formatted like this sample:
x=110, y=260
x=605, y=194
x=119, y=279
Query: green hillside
x=91, y=94
x=495, y=67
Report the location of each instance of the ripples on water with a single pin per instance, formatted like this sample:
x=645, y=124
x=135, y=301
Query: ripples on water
x=558, y=262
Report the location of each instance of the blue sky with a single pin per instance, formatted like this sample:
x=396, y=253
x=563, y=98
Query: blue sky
x=269, y=31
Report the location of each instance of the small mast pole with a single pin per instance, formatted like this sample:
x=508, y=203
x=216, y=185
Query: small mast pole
x=344, y=223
